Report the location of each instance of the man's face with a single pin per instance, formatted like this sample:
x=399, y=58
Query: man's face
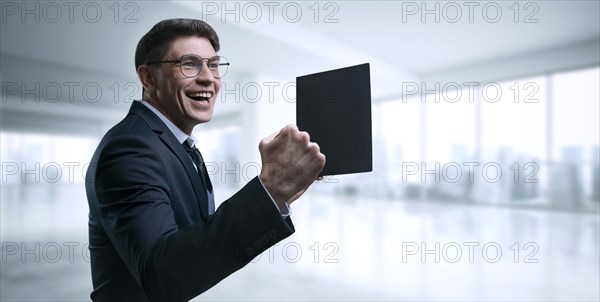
x=184, y=100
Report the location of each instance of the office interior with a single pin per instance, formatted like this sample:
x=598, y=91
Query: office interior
x=485, y=123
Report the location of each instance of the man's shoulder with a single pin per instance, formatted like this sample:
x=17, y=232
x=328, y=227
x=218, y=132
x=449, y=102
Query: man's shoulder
x=135, y=123
x=131, y=124
x=131, y=130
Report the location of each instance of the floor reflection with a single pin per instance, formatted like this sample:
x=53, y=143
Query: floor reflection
x=344, y=249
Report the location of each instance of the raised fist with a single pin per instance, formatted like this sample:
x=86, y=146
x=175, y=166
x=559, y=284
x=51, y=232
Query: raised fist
x=290, y=163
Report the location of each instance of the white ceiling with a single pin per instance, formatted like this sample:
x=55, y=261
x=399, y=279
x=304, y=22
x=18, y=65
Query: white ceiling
x=366, y=31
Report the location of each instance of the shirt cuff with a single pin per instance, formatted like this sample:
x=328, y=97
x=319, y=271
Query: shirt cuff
x=285, y=212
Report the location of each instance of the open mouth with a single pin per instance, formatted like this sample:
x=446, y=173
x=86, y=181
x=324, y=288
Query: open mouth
x=199, y=96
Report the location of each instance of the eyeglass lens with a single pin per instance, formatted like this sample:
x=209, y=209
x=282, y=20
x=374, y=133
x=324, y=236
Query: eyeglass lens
x=191, y=65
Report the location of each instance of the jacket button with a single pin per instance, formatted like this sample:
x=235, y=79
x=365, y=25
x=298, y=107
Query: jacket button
x=264, y=239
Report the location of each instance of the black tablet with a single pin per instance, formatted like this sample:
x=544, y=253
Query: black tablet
x=334, y=107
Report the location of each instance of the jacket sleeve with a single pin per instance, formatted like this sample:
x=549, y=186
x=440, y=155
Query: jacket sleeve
x=172, y=263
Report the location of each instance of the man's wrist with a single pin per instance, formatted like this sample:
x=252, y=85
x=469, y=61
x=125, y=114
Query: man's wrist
x=283, y=207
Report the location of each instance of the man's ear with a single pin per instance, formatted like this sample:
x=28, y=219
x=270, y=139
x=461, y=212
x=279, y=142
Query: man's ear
x=147, y=78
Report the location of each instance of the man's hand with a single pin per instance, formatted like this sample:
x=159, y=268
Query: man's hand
x=290, y=164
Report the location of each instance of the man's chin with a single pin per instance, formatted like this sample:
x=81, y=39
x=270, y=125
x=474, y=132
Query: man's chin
x=200, y=115
x=201, y=119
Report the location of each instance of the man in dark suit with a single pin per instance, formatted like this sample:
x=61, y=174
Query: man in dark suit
x=154, y=233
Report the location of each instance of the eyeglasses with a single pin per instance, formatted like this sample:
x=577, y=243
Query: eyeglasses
x=190, y=65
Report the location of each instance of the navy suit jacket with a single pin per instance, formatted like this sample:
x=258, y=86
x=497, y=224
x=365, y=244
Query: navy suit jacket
x=150, y=235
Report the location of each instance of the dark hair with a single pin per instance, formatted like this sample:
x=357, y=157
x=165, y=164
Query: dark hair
x=155, y=44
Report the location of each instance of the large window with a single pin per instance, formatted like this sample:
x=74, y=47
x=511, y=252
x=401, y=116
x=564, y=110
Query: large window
x=528, y=141
x=575, y=136
x=450, y=126
x=513, y=117
x=513, y=141
x=42, y=182
x=396, y=140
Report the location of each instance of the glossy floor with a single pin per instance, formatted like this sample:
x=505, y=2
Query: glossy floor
x=344, y=249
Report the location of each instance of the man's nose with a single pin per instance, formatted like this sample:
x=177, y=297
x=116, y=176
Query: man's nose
x=205, y=75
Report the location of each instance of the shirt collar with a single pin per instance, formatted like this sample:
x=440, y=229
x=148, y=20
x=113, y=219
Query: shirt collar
x=180, y=135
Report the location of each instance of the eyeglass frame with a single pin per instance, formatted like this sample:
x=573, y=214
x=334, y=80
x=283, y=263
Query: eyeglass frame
x=180, y=60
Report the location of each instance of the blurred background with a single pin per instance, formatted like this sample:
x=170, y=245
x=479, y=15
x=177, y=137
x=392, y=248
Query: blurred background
x=485, y=182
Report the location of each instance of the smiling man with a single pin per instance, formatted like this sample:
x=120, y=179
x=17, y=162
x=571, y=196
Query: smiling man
x=154, y=232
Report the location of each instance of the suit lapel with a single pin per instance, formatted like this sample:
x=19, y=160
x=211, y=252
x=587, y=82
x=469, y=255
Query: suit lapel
x=173, y=144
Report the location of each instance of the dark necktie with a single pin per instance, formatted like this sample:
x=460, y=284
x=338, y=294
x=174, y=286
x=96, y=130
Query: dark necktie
x=199, y=162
